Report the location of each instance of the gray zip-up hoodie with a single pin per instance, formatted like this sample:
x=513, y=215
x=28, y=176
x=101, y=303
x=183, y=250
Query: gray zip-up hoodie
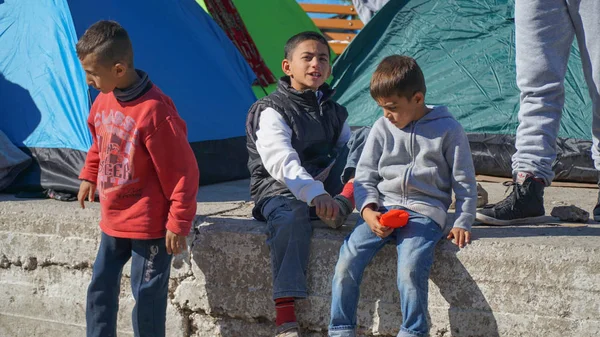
x=418, y=167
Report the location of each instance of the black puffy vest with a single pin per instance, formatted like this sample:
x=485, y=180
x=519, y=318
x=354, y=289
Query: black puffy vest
x=315, y=131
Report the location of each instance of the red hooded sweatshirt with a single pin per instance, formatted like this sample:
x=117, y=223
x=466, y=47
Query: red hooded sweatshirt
x=144, y=167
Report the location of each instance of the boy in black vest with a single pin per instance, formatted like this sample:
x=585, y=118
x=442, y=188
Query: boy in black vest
x=302, y=159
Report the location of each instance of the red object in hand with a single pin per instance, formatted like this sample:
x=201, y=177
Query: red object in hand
x=395, y=218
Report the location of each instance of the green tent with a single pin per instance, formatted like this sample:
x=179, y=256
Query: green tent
x=271, y=23
x=466, y=51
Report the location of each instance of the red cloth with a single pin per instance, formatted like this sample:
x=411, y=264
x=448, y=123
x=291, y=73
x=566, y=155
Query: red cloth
x=227, y=17
x=144, y=167
x=348, y=192
x=285, y=310
x=394, y=219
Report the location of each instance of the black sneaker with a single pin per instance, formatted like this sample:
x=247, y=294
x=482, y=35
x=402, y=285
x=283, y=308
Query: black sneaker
x=525, y=204
x=346, y=208
x=597, y=208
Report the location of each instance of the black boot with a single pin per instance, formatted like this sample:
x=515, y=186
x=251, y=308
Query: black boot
x=597, y=207
x=525, y=204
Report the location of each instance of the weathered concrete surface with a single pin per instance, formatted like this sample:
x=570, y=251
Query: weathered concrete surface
x=512, y=281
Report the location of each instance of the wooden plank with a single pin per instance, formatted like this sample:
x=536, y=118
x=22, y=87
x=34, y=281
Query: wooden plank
x=492, y=179
x=329, y=9
x=338, y=24
x=338, y=47
x=340, y=36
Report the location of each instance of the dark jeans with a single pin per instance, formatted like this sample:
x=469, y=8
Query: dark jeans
x=150, y=269
x=289, y=228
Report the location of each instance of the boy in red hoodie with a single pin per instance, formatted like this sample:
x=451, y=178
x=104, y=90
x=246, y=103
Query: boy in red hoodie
x=147, y=178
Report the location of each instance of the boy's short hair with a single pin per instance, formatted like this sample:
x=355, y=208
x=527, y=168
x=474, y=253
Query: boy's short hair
x=295, y=40
x=397, y=75
x=109, y=41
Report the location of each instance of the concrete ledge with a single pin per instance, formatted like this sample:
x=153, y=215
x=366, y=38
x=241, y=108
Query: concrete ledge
x=512, y=281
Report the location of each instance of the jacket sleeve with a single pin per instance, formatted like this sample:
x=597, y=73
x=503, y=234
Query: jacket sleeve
x=464, y=184
x=344, y=136
x=177, y=171
x=274, y=145
x=89, y=171
x=367, y=171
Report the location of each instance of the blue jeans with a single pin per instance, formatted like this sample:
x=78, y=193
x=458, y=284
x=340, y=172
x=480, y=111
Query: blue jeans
x=289, y=229
x=544, y=33
x=415, y=244
x=150, y=269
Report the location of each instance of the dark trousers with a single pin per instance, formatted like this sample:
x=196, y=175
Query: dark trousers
x=150, y=269
x=289, y=229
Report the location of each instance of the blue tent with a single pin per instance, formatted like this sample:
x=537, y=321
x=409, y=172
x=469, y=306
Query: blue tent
x=44, y=99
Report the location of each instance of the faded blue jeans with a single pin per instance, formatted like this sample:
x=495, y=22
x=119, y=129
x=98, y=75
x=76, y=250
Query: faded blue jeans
x=415, y=245
x=289, y=227
x=544, y=32
x=150, y=269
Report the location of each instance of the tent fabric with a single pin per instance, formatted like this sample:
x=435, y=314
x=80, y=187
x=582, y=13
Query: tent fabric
x=44, y=102
x=193, y=61
x=42, y=89
x=44, y=98
x=226, y=15
x=187, y=55
x=12, y=161
x=466, y=51
x=270, y=24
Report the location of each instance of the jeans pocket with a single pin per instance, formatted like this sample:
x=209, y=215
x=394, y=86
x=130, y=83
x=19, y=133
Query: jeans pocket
x=280, y=203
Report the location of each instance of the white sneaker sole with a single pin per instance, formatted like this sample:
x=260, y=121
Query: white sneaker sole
x=488, y=220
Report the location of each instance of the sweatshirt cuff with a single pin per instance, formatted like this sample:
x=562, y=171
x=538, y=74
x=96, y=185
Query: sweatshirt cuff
x=367, y=202
x=92, y=178
x=314, y=190
x=464, y=221
x=181, y=228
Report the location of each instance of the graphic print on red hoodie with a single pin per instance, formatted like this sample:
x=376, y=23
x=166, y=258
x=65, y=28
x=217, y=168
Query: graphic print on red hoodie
x=145, y=169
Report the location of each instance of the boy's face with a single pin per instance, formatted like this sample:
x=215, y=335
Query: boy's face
x=308, y=67
x=400, y=111
x=102, y=77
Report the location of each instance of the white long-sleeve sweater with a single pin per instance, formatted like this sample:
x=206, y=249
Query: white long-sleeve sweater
x=274, y=145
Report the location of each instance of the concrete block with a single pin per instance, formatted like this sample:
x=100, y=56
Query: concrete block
x=526, y=281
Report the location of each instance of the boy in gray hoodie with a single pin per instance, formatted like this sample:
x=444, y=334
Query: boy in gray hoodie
x=413, y=159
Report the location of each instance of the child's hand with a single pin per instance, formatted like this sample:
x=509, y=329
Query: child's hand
x=326, y=207
x=175, y=243
x=461, y=237
x=371, y=217
x=86, y=189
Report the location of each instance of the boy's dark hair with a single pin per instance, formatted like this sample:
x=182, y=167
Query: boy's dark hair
x=397, y=75
x=109, y=41
x=295, y=40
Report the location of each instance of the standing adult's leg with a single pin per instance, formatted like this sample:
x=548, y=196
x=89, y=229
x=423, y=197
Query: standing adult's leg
x=586, y=19
x=544, y=34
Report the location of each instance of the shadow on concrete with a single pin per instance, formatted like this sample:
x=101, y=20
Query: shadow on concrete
x=237, y=190
x=482, y=232
x=469, y=313
x=466, y=300
x=236, y=275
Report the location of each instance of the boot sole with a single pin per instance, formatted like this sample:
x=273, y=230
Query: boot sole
x=488, y=220
x=335, y=224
